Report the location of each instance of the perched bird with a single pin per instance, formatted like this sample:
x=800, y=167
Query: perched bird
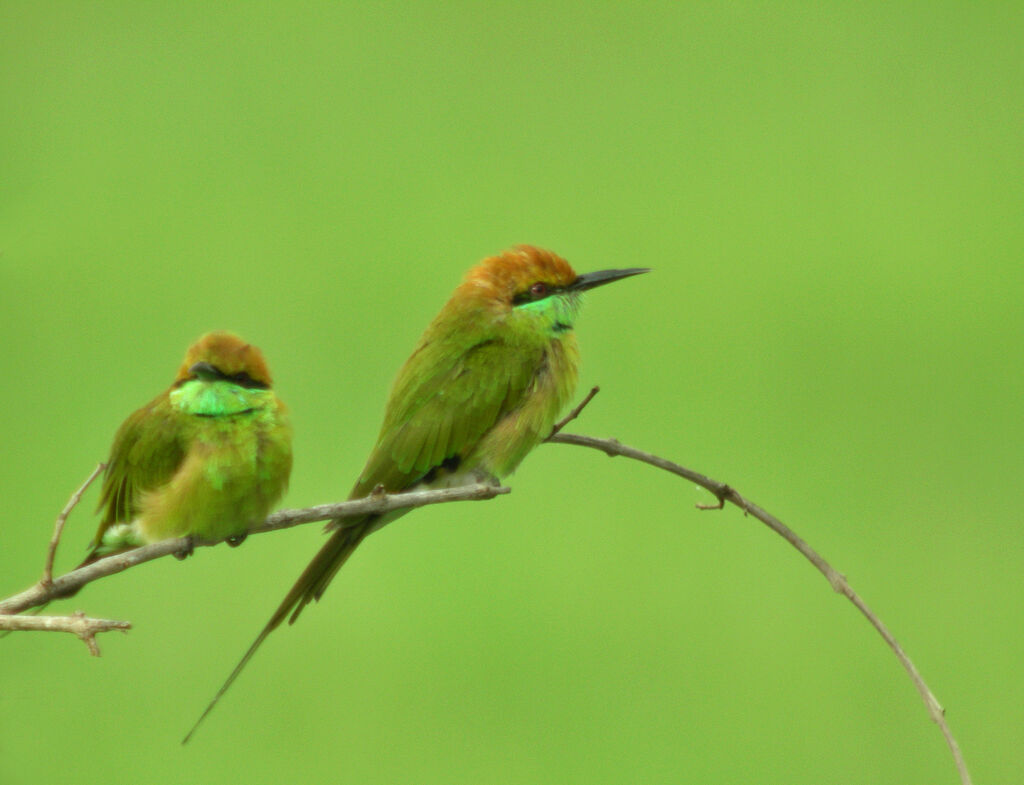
x=207, y=458
x=483, y=387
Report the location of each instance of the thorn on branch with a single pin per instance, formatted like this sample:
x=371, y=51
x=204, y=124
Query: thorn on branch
x=725, y=493
x=719, y=506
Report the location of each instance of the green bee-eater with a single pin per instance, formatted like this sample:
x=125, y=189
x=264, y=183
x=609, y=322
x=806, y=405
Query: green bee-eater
x=207, y=458
x=483, y=387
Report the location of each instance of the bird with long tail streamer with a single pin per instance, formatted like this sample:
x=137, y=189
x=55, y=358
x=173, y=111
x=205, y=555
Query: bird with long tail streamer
x=483, y=387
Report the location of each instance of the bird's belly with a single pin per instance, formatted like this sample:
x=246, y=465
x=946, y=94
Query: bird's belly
x=222, y=489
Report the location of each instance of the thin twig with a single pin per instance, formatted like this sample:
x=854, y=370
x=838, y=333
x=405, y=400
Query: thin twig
x=575, y=412
x=78, y=623
x=283, y=519
x=724, y=493
x=58, y=527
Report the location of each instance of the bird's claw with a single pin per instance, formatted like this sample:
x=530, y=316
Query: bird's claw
x=186, y=550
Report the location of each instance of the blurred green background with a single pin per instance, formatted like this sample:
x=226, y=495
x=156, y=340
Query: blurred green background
x=831, y=196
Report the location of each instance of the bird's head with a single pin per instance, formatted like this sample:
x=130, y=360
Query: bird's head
x=223, y=356
x=539, y=284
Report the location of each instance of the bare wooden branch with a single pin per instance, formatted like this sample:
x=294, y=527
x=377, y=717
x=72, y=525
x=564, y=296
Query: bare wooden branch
x=376, y=503
x=67, y=584
x=78, y=623
x=838, y=582
x=58, y=527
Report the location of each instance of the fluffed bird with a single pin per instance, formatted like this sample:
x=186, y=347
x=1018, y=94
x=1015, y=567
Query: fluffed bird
x=207, y=458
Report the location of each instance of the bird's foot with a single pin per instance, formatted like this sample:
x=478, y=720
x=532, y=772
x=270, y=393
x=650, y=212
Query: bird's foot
x=486, y=478
x=237, y=539
x=186, y=550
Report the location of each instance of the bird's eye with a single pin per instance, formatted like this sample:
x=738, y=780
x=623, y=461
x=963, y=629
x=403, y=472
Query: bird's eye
x=539, y=290
x=243, y=379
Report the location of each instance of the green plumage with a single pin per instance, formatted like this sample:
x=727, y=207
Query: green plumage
x=481, y=390
x=208, y=458
x=479, y=386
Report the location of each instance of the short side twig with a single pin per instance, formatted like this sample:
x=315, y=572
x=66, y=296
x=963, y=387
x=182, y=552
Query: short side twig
x=58, y=527
x=575, y=412
x=725, y=493
x=78, y=623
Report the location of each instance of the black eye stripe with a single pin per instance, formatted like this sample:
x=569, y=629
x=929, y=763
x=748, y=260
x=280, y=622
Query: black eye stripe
x=538, y=290
x=243, y=379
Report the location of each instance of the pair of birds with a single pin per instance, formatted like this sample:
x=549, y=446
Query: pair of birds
x=212, y=455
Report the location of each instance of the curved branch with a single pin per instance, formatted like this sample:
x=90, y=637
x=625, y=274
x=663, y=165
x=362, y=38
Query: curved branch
x=724, y=493
x=66, y=584
x=379, y=502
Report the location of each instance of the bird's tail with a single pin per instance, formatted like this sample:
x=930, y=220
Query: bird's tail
x=310, y=586
x=96, y=553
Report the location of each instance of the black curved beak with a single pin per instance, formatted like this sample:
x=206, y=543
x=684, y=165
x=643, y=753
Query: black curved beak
x=600, y=278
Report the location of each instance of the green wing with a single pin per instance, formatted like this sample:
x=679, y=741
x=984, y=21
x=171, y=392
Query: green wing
x=449, y=393
x=146, y=453
x=446, y=397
